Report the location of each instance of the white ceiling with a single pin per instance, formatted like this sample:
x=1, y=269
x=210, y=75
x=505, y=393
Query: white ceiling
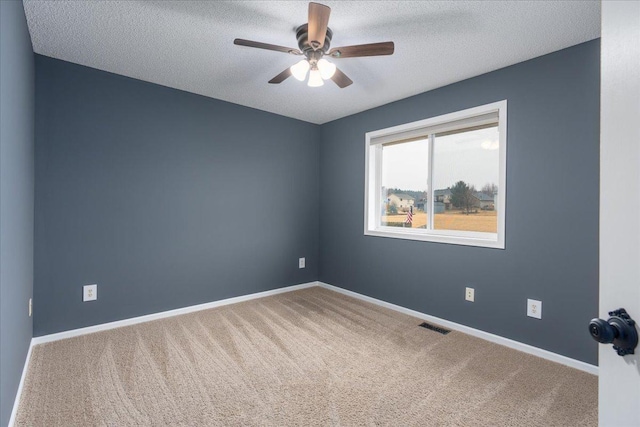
x=188, y=45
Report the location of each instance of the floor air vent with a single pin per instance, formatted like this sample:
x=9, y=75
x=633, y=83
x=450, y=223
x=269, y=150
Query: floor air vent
x=435, y=328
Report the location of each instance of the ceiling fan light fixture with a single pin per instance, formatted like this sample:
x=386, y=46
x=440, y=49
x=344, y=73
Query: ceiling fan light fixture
x=315, y=79
x=299, y=70
x=314, y=42
x=327, y=69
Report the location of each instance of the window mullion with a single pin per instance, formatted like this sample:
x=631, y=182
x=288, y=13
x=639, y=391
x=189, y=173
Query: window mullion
x=431, y=191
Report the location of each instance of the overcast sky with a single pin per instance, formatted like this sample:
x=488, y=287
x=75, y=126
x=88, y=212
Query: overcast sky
x=471, y=157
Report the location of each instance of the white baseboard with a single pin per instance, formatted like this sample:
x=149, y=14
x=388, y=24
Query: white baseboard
x=516, y=345
x=16, y=402
x=545, y=354
x=164, y=314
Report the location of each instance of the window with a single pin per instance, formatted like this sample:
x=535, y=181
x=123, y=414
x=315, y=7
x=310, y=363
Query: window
x=441, y=179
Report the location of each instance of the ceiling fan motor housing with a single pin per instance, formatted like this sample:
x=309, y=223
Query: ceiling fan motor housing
x=302, y=34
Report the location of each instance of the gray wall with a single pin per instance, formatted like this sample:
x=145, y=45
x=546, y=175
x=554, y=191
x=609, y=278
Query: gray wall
x=168, y=199
x=163, y=198
x=552, y=209
x=16, y=198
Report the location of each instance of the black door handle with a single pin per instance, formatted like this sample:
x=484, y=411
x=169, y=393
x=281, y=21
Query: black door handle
x=619, y=330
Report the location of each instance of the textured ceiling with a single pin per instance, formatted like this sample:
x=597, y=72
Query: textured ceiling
x=188, y=45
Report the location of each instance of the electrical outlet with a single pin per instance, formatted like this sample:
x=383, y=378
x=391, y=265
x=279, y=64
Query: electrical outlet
x=89, y=293
x=30, y=306
x=301, y=263
x=534, y=308
x=470, y=294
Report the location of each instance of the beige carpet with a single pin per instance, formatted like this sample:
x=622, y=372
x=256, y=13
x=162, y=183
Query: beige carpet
x=309, y=357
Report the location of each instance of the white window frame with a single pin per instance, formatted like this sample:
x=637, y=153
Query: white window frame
x=373, y=177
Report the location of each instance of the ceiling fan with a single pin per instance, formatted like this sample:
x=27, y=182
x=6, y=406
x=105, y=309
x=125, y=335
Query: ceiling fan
x=314, y=41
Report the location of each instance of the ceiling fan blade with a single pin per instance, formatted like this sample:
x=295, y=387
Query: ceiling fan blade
x=318, y=23
x=259, y=45
x=341, y=79
x=281, y=77
x=372, y=49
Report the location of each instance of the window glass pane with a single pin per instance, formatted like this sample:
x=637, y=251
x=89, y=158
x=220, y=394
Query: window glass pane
x=404, y=184
x=465, y=180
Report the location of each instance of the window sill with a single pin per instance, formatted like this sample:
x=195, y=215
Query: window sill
x=483, y=240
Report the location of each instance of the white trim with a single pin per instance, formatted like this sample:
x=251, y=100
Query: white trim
x=545, y=354
x=435, y=236
x=164, y=314
x=516, y=345
x=501, y=205
x=374, y=141
x=16, y=402
x=444, y=122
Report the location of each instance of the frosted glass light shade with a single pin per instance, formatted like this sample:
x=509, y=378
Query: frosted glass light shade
x=315, y=79
x=327, y=69
x=299, y=70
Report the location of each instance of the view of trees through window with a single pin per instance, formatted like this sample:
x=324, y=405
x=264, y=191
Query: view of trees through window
x=464, y=179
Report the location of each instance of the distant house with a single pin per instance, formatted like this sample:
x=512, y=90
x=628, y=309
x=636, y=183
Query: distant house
x=442, y=195
x=402, y=201
x=442, y=199
x=485, y=201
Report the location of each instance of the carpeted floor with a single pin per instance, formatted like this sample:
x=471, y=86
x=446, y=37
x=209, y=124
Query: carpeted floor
x=309, y=357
